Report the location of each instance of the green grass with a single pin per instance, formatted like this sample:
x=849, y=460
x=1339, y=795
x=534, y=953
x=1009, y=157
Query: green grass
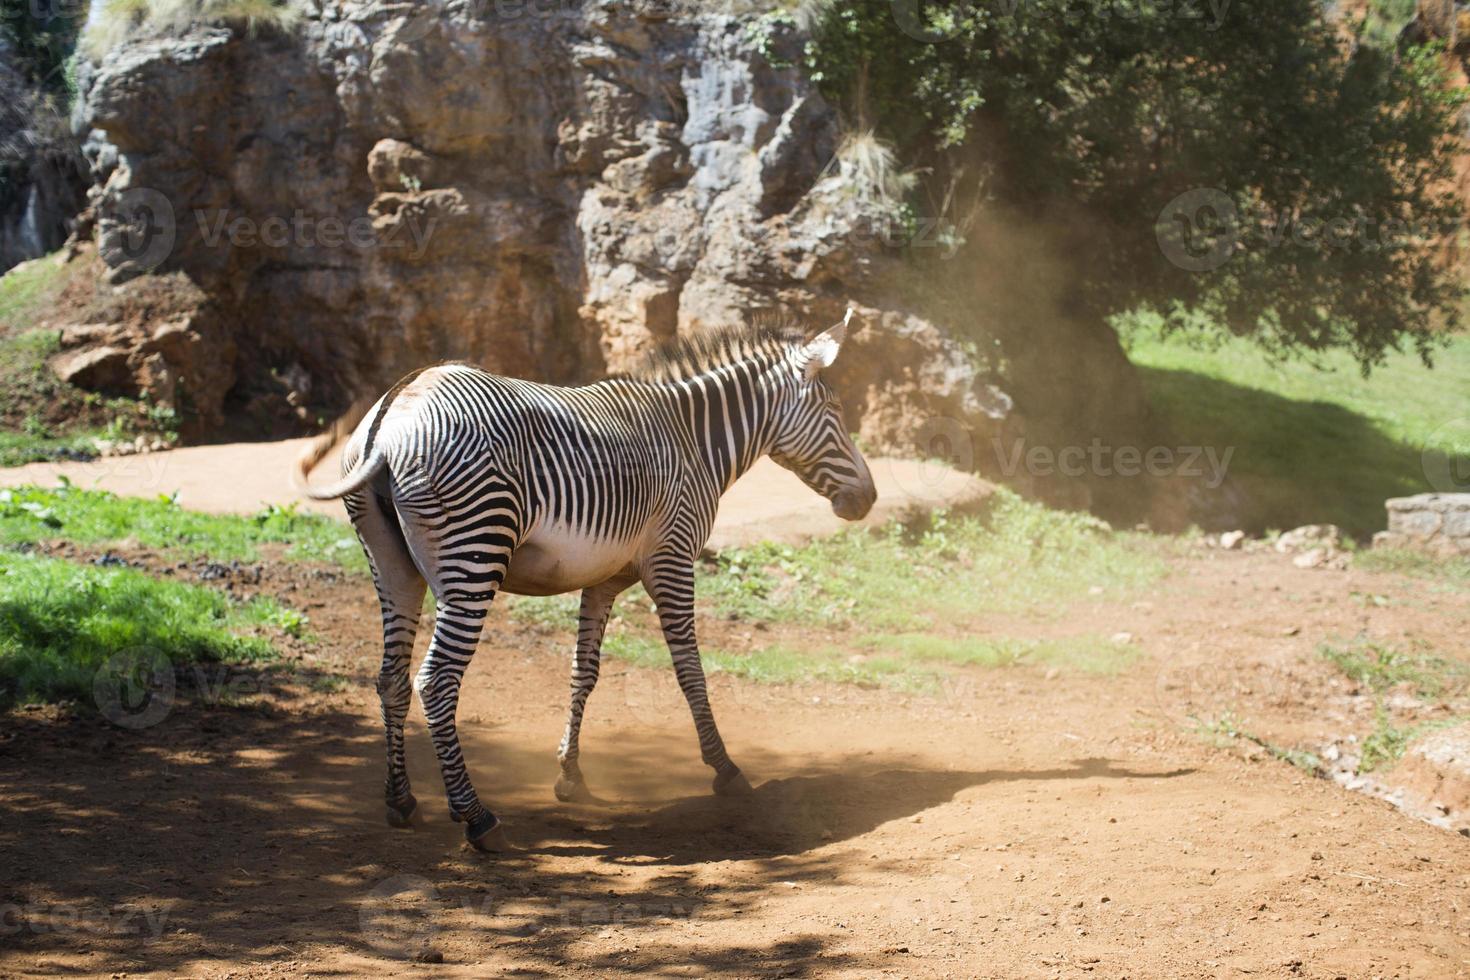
x=1229, y=728
x=885, y=588
x=1314, y=440
x=32, y=514
x=28, y=289
x=1454, y=572
x=1019, y=556
x=60, y=622
x=1081, y=654
x=1386, y=744
x=1380, y=668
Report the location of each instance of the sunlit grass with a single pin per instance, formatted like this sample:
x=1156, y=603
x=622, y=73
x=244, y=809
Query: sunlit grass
x=60, y=622
x=1081, y=654
x=1020, y=556
x=1314, y=440
x=32, y=514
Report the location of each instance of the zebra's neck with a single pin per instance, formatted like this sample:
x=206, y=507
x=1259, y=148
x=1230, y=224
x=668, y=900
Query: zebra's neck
x=730, y=413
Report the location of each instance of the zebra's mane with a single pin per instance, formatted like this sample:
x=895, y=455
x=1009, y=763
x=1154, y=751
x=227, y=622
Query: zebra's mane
x=704, y=350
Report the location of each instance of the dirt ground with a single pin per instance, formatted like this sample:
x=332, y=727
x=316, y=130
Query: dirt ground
x=1019, y=823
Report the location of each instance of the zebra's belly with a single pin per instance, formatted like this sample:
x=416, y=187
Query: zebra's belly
x=556, y=559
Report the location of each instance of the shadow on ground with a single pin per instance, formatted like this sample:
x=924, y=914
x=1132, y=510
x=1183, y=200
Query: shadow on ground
x=256, y=836
x=1298, y=462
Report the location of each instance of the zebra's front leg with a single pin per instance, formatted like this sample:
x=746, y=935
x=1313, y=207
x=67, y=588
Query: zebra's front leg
x=671, y=584
x=597, y=603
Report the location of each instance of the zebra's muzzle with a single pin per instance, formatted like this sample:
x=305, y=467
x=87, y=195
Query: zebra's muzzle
x=853, y=505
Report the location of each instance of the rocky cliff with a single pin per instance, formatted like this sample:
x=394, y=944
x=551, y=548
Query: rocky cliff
x=543, y=189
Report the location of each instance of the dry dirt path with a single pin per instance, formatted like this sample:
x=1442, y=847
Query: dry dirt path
x=1018, y=824
x=768, y=503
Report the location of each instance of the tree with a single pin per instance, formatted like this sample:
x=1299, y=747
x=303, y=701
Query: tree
x=1254, y=164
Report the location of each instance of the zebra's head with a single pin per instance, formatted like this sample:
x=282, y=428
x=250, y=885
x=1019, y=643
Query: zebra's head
x=811, y=439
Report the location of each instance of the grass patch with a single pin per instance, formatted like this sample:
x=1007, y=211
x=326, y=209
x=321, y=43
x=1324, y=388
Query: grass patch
x=1380, y=668
x=1081, y=654
x=1228, y=728
x=1387, y=743
x=1019, y=556
x=33, y=514
x=29, y=289
x=1417, y=564
x=60, y=622
x=1288, y=421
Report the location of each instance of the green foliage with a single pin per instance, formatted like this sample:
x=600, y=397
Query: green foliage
x=1289, y=419
x=59, y=622
x=97, y=517
x=42, y=37
x=1087, y=122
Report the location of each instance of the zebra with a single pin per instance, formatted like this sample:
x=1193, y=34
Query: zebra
x=473, y=483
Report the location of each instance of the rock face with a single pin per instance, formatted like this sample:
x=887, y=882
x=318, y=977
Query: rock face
x=1438, y=523
x=546, y=190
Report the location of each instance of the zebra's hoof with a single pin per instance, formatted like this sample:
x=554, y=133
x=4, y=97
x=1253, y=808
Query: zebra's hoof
x=490, y=839
x=400, y=812
x=573, y=791
x=734, y=784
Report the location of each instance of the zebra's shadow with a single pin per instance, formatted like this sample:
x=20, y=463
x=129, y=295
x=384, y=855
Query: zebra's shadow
x=783, y=817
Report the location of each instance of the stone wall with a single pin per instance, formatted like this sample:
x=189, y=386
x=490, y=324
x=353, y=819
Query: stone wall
x=1434, y=522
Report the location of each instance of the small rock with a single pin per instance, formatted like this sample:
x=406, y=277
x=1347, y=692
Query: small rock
x=1315, y=558
x=1231, y=540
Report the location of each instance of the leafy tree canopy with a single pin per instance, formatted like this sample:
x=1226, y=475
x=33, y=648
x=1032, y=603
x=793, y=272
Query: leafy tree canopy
x=1314, y=167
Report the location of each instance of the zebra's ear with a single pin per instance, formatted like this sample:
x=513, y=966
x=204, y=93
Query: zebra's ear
x=821, y=351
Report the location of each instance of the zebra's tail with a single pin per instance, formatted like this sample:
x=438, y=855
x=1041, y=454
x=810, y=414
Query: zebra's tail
x=316, y=450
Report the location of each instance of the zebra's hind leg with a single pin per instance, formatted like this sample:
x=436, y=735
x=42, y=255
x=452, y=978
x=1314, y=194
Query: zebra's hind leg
x=401, y=598
x=597, y=603
x=457, y=628
x=671, y=584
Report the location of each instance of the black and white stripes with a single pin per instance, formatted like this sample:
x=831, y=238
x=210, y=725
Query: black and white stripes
x=474, y=483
